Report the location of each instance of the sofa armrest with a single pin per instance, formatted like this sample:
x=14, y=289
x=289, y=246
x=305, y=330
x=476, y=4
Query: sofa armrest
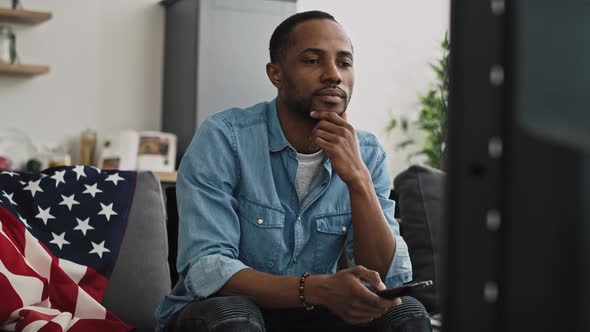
x=141, y=277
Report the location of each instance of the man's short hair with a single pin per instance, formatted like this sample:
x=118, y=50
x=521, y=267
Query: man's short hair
x=280, y=39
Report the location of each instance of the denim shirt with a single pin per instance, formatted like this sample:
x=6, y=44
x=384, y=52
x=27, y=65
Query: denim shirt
x=238, y=208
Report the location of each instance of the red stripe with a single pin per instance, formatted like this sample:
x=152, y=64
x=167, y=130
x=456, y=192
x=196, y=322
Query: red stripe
x=13, y=228
x=94, y=284
x=51, y=327
x=13, y=259
x=15, y=263
x=31, y=315
x=97, y=325
x=28, y=316
x=10, y=299
x=63, y=291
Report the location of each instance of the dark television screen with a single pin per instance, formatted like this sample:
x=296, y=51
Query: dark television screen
x=518, y=219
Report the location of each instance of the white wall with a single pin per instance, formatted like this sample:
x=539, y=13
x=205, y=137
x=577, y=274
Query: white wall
x=394, y=42
x=106, y=66
x=106, y=70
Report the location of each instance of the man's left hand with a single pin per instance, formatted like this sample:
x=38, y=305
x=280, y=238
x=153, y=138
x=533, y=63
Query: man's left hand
x=337, y=138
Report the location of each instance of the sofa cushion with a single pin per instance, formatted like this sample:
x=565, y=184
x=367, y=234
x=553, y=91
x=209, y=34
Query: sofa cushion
x=141, y=277
x=419, y=191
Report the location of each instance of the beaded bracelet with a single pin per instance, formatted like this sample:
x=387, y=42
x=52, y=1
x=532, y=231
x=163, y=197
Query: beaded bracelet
x=302, y=291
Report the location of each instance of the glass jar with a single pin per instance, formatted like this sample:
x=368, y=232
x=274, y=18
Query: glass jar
x=87, y=146
x=7, y=47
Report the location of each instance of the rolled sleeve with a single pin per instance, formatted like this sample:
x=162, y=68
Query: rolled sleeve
x=210, y=273
x=400, y=269
x=209, y=228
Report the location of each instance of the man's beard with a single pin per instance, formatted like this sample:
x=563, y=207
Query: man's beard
x=299, y=105
x=304, y=105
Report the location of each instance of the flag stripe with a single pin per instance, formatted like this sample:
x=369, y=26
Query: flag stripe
x=51, y=327
x=51, y=278
x=37, y=256
x=94, y=284
x=28, y=289
x=32, y=327
x=87, y=307
x=73, y=270
x=63, y=291
x=10, y=298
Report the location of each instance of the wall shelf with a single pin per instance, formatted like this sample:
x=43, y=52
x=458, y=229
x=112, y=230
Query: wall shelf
x=23, y=16
x=22, y=70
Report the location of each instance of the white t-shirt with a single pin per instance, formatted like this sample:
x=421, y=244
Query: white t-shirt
x=310, y=166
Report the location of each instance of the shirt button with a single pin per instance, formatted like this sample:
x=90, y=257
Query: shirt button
x=344, y=229
x=260, y=221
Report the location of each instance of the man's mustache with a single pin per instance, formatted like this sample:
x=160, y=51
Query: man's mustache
x=331, y=89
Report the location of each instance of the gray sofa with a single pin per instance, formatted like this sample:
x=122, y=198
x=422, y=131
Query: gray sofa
x=143, y=273
x=141, y=276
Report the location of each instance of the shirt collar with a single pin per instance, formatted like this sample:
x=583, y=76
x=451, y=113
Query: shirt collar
x=277, y=139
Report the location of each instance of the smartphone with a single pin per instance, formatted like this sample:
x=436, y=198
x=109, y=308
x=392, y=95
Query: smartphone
x=392, y=293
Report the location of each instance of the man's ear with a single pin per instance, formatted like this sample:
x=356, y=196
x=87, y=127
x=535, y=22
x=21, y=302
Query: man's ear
x=273, y=71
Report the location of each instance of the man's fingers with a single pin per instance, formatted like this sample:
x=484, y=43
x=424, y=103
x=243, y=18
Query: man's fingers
x=326, y=136
x=330, y=127
x=329, y=116
x=370, y=276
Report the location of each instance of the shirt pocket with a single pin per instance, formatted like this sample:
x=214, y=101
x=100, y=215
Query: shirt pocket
x=261, y=234
x=330, y=236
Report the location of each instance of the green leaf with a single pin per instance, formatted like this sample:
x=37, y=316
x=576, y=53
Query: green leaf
x=404, y=124
x=432, y=112
x=405, y=143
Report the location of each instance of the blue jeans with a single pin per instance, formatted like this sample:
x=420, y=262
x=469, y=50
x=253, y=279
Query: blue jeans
x=237, y=313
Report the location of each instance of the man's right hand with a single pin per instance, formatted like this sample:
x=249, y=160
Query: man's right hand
x=345, y=295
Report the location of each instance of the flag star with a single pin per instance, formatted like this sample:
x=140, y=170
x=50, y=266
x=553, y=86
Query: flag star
x=33, y=187
x=44, y=214
x=24, y=221
x=107, y=211
x=115, y=178
x=10, y=173
x=79, y=170
x=92, y=190
x=98, y=249
x=59, y=240
x=83, y=225
x=69, y=201
x=22, y=182
x=58, y=177
x=9, y=197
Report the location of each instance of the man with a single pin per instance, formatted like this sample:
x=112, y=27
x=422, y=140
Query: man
x=270, y=196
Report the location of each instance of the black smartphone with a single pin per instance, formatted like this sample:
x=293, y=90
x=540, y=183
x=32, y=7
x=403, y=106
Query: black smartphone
x=392, y=293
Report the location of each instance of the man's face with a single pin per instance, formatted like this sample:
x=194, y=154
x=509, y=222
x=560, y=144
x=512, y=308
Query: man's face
x=317, y=72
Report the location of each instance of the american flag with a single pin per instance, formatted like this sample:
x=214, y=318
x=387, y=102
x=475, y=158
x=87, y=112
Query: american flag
x=60, y=233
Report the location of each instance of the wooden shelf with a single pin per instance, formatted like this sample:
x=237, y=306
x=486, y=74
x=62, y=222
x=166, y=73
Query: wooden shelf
x=23, y=16
x=169, y=177
x=22, y=70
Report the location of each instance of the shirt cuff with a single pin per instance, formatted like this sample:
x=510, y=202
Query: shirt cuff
x=400, y=269
x=210, y=273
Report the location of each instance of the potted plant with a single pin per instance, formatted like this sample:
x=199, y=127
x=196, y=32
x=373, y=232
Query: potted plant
x=432, y=118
